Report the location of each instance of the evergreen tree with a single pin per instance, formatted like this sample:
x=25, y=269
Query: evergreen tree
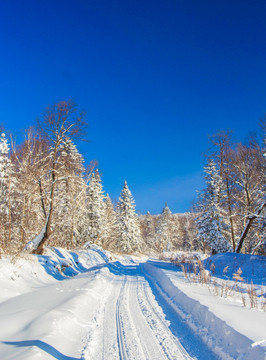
x=9, y=198
x=111, y=229
x=4, y=159
x=175, y=231
x=129, y=227
x=4, y=175
x=163, y=230
x=95, y=210
x=148, y=231
x=69, y=197
x=210, y=223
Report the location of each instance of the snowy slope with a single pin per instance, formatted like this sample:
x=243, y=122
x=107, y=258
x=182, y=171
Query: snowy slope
x=92, y=305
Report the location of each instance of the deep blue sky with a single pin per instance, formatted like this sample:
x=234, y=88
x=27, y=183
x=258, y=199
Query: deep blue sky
x=155, y=77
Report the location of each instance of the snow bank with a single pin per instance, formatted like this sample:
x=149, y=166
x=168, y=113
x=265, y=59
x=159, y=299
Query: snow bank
x=222, y=339
x=20, y=275
x=29, y=272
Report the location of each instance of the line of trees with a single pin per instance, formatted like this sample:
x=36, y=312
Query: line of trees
x=169, y=232
x=48, y=196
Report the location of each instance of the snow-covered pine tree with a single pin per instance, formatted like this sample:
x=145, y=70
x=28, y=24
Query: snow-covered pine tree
x=210, y=224
x=111, y=228
x=190, y=242
x=4, y=159
x=4, y=175
x=175, y=231
x=163, y=230
x=96, y=223
x=70, y=196
x=129, y=228
x=148, y=230
x=8, y=200
x=183, y=231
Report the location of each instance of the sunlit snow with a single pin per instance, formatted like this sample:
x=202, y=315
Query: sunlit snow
x=91, y=304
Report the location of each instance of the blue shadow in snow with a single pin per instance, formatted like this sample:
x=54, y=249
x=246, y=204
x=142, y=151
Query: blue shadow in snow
x=117, y=268
x=50, y=266
x=164, y=265
x=57, y=268
x=57, y=252
x=43, y=346
x=103, y=256
x=77, y=263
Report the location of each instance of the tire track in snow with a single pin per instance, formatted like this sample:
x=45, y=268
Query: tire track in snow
x=129, y=343
x=150, y=346
x=129, y=323
x=119, y=326
x=142, y=332
x=154, y=316
x=110, y=347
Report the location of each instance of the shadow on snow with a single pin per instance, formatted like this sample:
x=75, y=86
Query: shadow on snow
x=43, y=346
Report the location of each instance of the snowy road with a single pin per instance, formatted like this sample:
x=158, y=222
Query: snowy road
x=114, y=311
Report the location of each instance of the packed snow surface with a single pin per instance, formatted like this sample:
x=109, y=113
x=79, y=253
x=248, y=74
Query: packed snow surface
x=90, y=304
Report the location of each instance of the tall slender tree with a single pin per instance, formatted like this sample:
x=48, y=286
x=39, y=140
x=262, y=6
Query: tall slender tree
x=211, y=227
x=95, y=210
x=111, y=228
x=9, y=198
x=164, y=230
x=70, y=192
x=129, y=227
x=148, y=231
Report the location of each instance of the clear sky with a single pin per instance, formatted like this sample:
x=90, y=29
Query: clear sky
x=155, y=77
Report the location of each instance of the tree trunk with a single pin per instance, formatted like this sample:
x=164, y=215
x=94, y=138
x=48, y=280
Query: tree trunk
x=41, y=196
x=47, y=231
x=248, y=226
x=229, y=206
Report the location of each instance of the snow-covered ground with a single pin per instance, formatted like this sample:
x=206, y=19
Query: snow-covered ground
x=90, y=304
